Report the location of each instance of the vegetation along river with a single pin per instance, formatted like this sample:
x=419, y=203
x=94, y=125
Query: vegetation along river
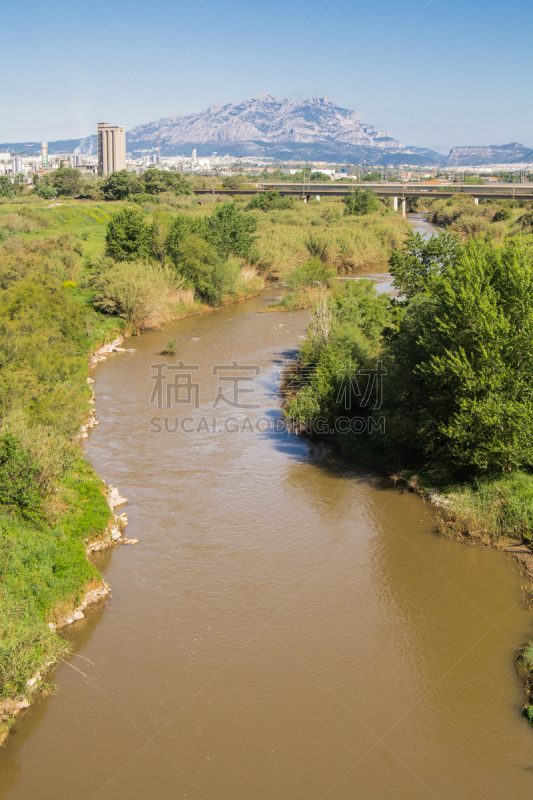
x=290, y=626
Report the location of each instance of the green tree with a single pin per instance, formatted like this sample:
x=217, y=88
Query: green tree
x=159, y=234
x=230, y=230
x=201, y=265
x=420, y=259
x=362, y=201
x=157, y=181
x=373, y=177
x=127, y=236
x=179, y=229
x=118, y=185
x=461, y=363
x=320, y=177
x=5, y=187
x=268, y=201
x=67, y=181
x=233, y=181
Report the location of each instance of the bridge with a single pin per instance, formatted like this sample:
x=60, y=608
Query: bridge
x=398, y=192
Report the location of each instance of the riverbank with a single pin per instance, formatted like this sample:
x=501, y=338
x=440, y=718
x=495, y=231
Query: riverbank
x=236, y=528
x=469, y=431
x=41, y=600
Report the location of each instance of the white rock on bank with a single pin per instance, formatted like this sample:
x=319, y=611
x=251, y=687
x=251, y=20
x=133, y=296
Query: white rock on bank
x=114, y=498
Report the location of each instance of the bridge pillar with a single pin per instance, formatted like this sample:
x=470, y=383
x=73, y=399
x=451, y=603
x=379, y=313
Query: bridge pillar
x=395, y=203
x=304, y=198
x=317, y=198
x=404, y=207
x=476, y=200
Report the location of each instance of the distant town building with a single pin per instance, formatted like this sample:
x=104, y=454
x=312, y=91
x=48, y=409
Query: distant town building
x=111, y=148
x=44, y=155
x=16, y=166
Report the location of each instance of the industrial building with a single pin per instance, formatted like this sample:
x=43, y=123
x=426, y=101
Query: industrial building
x=111, y=148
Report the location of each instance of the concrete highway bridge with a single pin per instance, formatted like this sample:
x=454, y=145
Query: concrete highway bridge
x=398, y=192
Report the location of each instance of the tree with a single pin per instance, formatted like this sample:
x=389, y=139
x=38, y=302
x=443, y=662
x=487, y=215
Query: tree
x=118, y=185
x=158, y=180
x=46, y=191
x=461, y=363
x=200, y=264
x=127, y=236
x=67, y=181
x=180, y=227
x=230, y=230
x=320, y=177
x=420, y=259
x=268, y=201
x=159, y=233
x=360, y=202
x=5, y=187
x=233, y=181
x=373, y=177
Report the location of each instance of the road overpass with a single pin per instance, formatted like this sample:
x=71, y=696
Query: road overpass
x=398, y=192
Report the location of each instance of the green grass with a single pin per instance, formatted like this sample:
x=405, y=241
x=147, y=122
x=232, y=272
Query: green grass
x=496, y=508
x=44, y=573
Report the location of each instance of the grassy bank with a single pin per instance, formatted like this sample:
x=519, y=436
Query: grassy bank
x=495, y=218
x=60, y=298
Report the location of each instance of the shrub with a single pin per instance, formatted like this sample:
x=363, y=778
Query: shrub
x=127, y=236
x=144, y=294
x=230, y=230
x=361, y=202
x=18, y=478
x=269, y=201
x=502, y=214
x=312, y=273
x=199, y=263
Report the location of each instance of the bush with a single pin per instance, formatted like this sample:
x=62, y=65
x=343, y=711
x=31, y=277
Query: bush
x=502, y=215
x=18, y=478
x=45, y=191
x=144, y=294
x=128, y=236
x=230, y=230
x=463, y=349
x=269, y=201
x=200, y=264
x=312, y=273
x=361, y=202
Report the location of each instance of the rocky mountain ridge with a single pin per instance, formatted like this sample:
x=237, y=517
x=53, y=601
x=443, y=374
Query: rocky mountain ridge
x=512, y=153
x=315, y=129
x=266, y=119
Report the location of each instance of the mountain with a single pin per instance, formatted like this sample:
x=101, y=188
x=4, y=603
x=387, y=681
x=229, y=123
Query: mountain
x=286, y=130
x=313, y=129
x=266, y=119
x=513, y=153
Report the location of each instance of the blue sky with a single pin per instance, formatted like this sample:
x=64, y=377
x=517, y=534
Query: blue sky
x=434, y=74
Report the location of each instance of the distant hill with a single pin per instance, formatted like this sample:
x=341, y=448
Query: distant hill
x=286, y=130
x=512, y=153
x=309, y=130
x=313, y=129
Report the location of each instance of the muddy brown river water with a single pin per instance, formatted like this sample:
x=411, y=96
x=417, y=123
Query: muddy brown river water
x=290, y=626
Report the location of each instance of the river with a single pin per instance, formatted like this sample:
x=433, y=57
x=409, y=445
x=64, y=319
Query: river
x=290, y=625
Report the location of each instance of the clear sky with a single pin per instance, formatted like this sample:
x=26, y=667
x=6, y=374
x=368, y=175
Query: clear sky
x=435, y=74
